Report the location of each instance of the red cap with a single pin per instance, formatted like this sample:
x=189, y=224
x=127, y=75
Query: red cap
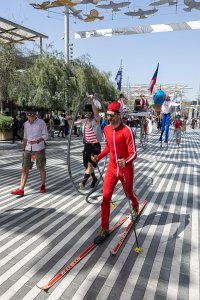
x=115, y=107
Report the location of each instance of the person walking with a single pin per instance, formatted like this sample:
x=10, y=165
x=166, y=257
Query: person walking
x=120, y=143
x=144, y=104
x=62, y=125
x=15, y=128
x=35, y=134
x=177, y=129
x=92, y=137
x=51, y=127
x=22, y=120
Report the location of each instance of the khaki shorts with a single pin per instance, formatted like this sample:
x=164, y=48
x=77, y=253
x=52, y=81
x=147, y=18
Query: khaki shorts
x=40, y=158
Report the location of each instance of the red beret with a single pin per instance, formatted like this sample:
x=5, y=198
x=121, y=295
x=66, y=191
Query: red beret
x=115, y=107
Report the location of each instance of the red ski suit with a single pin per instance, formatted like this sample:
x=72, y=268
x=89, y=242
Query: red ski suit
x=120, y=143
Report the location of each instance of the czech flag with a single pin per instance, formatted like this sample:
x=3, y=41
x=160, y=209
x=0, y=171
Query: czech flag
x=153, y=80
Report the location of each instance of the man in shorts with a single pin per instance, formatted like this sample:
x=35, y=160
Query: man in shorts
x=35, y=135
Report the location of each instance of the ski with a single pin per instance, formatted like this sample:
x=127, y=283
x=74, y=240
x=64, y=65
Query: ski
x=78, y=258
x=128, y=228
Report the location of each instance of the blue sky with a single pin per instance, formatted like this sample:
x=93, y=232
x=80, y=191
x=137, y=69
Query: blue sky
x=177, y=52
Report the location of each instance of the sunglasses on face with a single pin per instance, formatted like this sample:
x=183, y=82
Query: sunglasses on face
x=30, y=114
x=110, y=115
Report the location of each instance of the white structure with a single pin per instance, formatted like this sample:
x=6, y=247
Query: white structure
x=138, y=30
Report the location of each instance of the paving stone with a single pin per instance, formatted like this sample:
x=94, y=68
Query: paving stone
x=172, y=170
x=138, y=293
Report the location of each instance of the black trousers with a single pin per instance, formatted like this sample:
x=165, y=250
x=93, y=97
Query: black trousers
x=15, y=134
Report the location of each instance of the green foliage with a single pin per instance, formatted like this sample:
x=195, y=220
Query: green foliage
x=5, y=123
x=50, y=83
x=8, y=66
x=8, y=63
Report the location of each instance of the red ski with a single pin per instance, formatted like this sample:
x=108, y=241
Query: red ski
x=128, y=228
x=78, y=258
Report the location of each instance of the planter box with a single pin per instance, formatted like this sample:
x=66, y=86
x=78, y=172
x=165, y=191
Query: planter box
x=5, y=135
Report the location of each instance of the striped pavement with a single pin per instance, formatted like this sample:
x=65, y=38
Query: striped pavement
x=41, y=233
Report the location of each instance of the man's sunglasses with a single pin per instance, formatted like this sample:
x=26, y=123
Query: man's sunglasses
x=30, y=114
x=110, y=115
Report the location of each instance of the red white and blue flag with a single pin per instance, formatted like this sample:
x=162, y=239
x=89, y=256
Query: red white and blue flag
x=153, y=80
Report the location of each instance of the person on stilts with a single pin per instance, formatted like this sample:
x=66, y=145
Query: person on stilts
x=120, y=143
x=166, y=115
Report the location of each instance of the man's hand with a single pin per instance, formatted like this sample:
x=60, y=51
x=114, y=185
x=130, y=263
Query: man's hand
x=94, y=158
x=121, y=162
x=23, y=151
x=89, y=96
x=32, y=142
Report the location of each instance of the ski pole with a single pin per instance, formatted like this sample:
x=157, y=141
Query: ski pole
x=112, y=203
x=138, y=248
x=100, y=172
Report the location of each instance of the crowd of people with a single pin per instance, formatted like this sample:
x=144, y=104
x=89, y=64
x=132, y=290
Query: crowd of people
x=120, y=143
x=118, y=131
x=59, y=126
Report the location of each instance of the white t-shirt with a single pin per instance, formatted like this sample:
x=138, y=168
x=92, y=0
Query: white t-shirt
x=62, y=121
x=166, y=107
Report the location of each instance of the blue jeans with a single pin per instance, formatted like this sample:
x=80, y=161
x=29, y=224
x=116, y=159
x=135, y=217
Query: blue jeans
x=165, y=127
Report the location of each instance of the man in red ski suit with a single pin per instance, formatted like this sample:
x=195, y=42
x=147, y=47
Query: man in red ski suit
x=120, y=143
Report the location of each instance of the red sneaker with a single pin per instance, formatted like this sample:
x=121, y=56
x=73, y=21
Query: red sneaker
x=18, y=192
x=42, y=189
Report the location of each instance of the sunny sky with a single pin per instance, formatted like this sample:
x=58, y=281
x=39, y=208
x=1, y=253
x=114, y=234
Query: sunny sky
x=176, y=52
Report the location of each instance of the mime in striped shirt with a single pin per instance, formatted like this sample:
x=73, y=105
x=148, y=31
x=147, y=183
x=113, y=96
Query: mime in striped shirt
x=92, y=136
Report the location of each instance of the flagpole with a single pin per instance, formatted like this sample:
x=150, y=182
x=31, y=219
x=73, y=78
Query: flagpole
x=121, y=75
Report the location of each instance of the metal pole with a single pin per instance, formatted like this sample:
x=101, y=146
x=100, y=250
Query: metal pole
x=112, y=203
x=66, y=49
x=66, y=34
x=132, y=218
x=40, y=45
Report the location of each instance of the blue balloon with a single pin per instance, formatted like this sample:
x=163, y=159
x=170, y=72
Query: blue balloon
x=159, y=97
